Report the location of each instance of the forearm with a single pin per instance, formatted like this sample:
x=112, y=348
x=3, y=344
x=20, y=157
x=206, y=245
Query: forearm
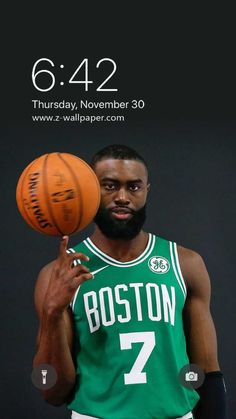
x=53, y=349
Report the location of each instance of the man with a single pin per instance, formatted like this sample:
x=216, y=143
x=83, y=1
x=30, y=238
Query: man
x=124, y=311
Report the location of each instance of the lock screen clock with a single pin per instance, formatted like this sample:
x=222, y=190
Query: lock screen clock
x=44, y=77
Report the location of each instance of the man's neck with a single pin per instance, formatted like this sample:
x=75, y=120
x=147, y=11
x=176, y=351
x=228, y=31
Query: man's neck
x=121, y=250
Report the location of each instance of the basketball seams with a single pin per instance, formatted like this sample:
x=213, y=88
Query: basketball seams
x=47, y=196
x=48, y=213
x=30, y=221
x=79, y=197
x=92, y=172
x=95, y=177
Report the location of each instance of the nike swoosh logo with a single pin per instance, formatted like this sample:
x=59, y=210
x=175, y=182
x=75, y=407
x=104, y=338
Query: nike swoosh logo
x=98, y=270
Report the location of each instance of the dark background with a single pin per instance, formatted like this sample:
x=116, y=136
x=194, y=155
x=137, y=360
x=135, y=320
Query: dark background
x=180, y=61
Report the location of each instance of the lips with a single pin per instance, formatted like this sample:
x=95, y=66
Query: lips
x=121, y=213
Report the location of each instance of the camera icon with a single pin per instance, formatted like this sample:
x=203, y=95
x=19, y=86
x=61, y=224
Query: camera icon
x=191, y=376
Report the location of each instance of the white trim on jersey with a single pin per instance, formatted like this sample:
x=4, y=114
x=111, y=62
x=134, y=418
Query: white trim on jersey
x=97, y=250
x=188, y=415
x=150, y=245
x=76, y=263
x=72, y=303
x=183, y=288
x=76, y=415
x=178, y=267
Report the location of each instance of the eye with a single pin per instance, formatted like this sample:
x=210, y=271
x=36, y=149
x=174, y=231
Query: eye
x=134, y=187
x=109, y=186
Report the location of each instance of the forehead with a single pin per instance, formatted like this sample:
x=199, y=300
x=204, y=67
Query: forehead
x=123, y=170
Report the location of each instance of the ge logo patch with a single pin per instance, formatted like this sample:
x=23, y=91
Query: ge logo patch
x=158, y=264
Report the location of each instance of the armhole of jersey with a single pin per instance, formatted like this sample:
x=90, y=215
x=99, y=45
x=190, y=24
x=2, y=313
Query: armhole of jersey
x=176, y=267
x=75, y=263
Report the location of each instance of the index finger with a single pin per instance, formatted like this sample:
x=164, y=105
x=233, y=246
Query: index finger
x=74, y=256
x=63, y=245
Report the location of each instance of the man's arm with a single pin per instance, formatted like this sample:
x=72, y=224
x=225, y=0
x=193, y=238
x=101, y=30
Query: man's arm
x=201, y=336
x=55, y=288
x=199, y=327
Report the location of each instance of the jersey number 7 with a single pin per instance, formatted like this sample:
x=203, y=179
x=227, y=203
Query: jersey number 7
x=136, y=374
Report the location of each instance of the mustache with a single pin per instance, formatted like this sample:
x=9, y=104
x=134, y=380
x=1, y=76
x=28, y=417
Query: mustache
x=120, y=229
x=125, y=208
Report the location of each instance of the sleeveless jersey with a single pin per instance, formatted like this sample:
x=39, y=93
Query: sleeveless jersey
x=129, y=339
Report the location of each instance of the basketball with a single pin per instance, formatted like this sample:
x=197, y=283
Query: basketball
x=58, y=194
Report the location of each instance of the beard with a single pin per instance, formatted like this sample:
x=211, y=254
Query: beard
x=120, y=229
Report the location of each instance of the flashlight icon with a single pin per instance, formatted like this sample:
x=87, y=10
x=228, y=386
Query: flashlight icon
x=44, y=376
x=44, y=373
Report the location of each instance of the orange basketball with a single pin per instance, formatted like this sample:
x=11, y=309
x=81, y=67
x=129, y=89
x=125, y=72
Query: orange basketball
x=58, y=194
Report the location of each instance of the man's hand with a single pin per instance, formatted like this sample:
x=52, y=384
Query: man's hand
x=65, y=279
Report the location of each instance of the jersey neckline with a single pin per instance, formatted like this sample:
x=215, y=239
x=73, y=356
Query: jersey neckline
x=108, y=259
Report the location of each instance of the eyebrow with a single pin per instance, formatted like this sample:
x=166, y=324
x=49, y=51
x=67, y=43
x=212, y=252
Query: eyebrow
x=110, y=179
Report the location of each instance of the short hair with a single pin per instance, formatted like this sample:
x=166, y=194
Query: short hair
x=117, y=152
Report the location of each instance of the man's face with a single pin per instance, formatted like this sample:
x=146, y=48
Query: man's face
x=124, y=188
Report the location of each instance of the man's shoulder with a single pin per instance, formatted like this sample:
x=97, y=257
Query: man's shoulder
x=186, y=255
x=191, y=263
x=189, y=255
x=182, y=250
x=190, y=260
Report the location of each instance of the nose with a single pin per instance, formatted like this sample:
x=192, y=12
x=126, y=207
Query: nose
x=122, y=197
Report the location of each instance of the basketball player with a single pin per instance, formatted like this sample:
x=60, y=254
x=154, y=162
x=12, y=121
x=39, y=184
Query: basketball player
x=124, y=311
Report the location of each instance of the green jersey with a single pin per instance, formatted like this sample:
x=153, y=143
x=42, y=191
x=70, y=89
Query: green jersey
x=129, y=339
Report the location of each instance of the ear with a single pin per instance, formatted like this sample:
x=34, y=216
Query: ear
x=148, y=187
